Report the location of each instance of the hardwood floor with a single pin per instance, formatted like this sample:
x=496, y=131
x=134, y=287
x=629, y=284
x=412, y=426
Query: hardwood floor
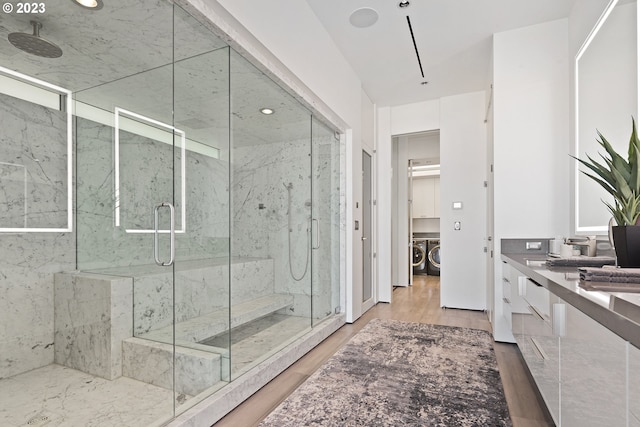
x=418, y=303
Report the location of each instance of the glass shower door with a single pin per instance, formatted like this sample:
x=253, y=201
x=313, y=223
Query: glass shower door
x=129, y=214
x=270, y=217
x=202, y=267
x=153, y=204
x=326, y=154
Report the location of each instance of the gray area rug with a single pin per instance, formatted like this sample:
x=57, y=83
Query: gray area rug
x=394, y=373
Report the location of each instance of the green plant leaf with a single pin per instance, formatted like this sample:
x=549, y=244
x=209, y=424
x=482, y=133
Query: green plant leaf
x=602, y=171
x=620, y=177
x=617, y=160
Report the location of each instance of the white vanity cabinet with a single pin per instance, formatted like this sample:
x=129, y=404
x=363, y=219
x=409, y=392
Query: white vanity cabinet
x=634, y=386
x=513, y=303
x=593, y=373
x=426, y=197
x=540, y=326
x=588, y=374
x=510, y=302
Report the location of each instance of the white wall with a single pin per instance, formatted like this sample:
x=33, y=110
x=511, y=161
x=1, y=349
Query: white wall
x=302, y=54
x=583, y=16
x=531, y=129
x=466, y=109
x=416, y=117
x=424, y=145
x=463, y=146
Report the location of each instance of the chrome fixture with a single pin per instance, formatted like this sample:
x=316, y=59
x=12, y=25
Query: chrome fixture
x=404, y=4
x=289, y=187
x=34, y=44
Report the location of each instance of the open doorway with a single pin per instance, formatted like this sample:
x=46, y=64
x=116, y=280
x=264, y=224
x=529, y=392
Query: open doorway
x=416, y=200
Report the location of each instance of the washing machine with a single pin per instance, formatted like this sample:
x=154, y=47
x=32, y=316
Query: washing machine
x=419, y=258
x=433, y=257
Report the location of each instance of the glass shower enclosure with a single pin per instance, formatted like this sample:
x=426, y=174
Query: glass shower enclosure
x=172, y=216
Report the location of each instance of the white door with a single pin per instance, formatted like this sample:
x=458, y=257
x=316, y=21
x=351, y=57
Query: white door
x=368, y=299
x=411, y=213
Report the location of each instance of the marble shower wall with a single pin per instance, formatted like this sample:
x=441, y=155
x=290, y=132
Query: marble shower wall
x=34, y=137
x=146, y=180
x=259, y=172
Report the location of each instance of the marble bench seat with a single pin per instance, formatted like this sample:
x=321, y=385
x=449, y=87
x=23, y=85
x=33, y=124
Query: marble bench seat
x=96, y=312
x=206, y=326
x=197, y=366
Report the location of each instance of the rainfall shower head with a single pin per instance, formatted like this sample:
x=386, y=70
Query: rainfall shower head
x=34, y=44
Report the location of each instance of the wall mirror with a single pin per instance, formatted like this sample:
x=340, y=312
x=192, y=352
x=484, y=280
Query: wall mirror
x=606, y=97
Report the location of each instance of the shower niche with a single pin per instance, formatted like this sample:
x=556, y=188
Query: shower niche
x=185, y=239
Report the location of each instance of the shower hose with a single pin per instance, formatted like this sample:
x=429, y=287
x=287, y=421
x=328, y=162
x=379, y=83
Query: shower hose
x=290, y=228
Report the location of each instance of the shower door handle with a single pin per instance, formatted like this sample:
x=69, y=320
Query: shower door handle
x=172, y=234
x=317, y=240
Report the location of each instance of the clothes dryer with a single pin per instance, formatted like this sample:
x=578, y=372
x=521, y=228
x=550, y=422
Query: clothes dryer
x=419, y=258
x=433, y=257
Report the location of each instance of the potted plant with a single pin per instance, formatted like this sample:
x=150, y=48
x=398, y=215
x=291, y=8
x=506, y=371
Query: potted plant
x=621, y=178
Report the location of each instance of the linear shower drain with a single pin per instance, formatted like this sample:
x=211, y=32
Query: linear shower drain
x=38, y=420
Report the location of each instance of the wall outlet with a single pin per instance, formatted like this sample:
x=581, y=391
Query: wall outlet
x=456, y=225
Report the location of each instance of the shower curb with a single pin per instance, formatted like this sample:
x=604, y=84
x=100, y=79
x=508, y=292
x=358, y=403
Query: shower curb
x=213, y=408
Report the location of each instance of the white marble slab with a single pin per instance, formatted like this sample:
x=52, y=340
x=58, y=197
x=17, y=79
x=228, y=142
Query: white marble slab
x=153, y=363
x=34, y=139
x=72, y=398
x=92, y=318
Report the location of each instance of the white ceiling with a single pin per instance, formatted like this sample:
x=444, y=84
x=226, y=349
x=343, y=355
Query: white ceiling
x=453, y=38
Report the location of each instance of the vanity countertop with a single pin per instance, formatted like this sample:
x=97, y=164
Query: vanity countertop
x=618, y=311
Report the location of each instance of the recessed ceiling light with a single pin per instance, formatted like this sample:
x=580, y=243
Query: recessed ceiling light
x=267, y=111
x=89, y=4
x=404, y=4
x=363, y=17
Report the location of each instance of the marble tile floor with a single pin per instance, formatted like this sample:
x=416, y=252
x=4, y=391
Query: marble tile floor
x=62, y=396
x=67, y=397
